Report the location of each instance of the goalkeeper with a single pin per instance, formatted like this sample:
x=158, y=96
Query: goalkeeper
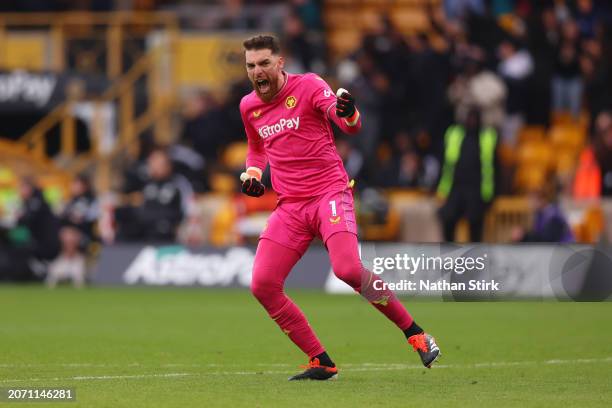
x=287, y=121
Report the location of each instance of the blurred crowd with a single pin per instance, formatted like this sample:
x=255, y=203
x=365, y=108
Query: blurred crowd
x=514, y=61
x=58, y=243
x=43, y=243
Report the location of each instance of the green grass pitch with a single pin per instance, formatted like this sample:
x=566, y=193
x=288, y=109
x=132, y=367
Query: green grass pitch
x=155, y=347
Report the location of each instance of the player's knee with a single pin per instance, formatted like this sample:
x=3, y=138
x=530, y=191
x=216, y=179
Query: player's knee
x=264, y=289
x=258, y=290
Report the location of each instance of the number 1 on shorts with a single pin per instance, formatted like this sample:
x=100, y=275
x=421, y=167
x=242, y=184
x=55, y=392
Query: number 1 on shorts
x=332, y=204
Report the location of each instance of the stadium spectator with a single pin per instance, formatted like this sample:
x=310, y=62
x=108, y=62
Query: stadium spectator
x=186, y=161
x=189, y=164
x=429, y=69
x=77, y=222
x=369, y=84
x=478, y=87
x=165, y=196
x=36, y=216
x=387, y=48
x=567, y=81
x=297, y=43
x=405, y=170
x=32, y=239
x=467, y=182
x=542, y=37
x=81, y=212
x=408, y=167
x=203, y=124
x=233, y=129
x=550, y=224
x=586, y=18
x=587, y=180
x=515, y=67
x=71, y=263
x=595, y=66
x=484, y=30
x=593, y=177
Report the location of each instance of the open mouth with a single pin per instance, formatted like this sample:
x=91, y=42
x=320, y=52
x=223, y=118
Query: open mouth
x=263, y=85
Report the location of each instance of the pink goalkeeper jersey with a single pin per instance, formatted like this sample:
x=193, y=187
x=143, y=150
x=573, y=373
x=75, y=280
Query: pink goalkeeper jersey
x=293, y=133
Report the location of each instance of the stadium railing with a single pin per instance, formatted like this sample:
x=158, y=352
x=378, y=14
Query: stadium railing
x=143, y=64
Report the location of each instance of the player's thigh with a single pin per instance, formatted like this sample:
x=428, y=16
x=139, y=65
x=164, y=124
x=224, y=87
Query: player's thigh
x=272, y=264
x=336, y=213
x=287, y=229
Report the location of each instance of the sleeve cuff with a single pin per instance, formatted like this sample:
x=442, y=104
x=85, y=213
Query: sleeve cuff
x=352, y=121
x=254, y=172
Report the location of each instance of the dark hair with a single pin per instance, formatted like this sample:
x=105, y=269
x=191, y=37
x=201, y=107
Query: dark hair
x=262, y=42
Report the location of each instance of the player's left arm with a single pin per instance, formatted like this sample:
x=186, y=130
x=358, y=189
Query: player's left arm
x=338, y=107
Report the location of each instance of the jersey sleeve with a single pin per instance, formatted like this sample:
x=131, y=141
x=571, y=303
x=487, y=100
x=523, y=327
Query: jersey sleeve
x=324, y=101
x=256, y=152
x=323, y=98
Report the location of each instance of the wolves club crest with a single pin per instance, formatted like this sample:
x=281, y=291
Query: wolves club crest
x=290, y=102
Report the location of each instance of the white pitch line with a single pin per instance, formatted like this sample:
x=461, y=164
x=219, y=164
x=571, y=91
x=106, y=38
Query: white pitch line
x=354, y=368
x=102, y=377
x=101, y=365
x=118, y=377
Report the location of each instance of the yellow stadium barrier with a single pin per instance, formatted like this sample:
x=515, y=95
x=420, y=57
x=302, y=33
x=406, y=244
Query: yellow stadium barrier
x=505, y=214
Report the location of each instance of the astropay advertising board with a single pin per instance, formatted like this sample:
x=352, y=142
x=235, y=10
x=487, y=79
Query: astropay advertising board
x=176, y=265
x=446, y=271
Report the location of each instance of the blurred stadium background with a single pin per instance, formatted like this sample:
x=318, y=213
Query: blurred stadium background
x=121, y=146
x=124, y=114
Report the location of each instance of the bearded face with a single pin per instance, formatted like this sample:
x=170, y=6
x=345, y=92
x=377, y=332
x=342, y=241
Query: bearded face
x=265, y=71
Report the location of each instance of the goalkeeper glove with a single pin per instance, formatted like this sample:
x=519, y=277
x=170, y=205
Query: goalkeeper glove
x=251, y=184
x=345, y=106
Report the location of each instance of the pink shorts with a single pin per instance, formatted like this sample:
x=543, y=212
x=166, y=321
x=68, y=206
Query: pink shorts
x=297, y=221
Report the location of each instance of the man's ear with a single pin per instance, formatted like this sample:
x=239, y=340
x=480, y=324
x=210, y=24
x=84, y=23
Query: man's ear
x=281, y=62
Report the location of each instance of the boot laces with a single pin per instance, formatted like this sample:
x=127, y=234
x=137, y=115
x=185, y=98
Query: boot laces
x=314, y=363
x=418, y=342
